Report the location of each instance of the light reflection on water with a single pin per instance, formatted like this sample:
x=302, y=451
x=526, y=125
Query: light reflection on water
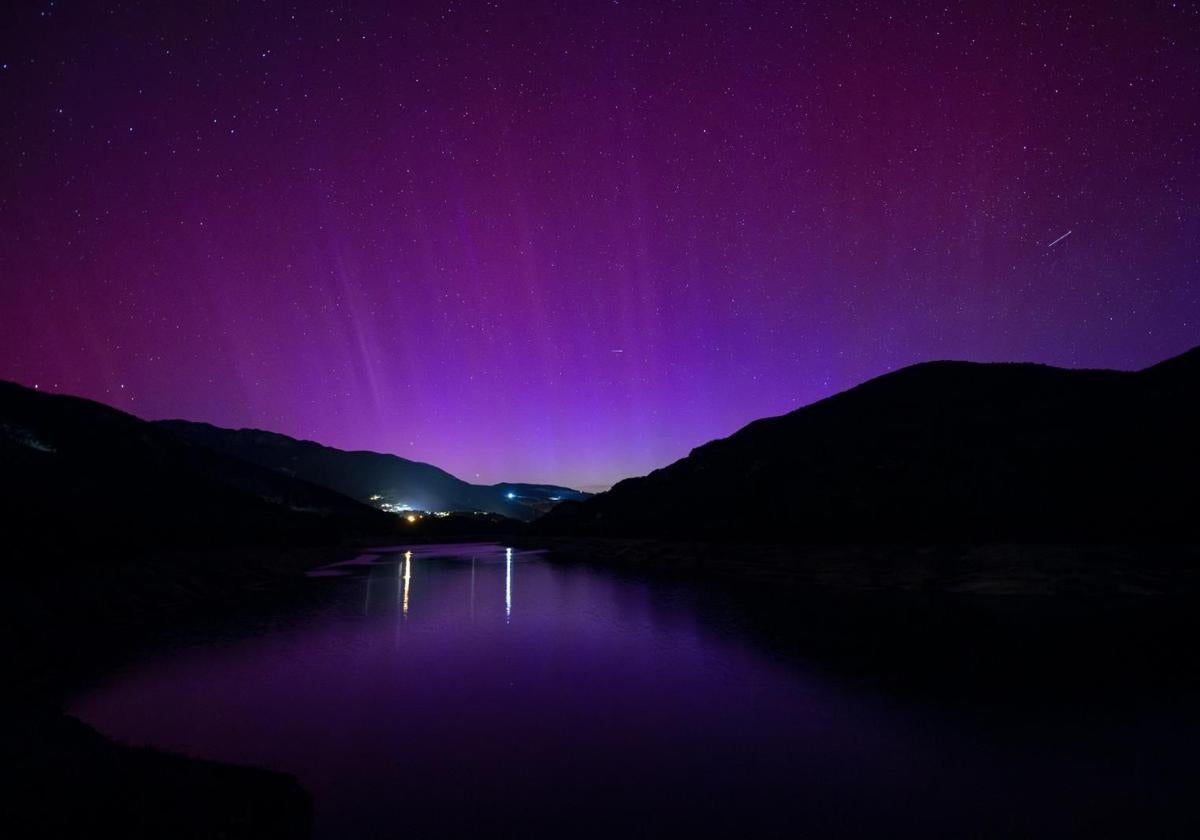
x=407, y=578
x=439, y=558
x=414, y=695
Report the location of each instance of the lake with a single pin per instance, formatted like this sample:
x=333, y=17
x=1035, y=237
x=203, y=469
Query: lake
x=477, y=689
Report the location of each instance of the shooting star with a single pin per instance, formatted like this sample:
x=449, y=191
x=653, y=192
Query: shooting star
x=1056, y=241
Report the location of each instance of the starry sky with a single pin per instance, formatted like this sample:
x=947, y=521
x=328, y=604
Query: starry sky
x=569, y=241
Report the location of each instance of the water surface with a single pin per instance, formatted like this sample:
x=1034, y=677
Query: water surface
x=475, y=689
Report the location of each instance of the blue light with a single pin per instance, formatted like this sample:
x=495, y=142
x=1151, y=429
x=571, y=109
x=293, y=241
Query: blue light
x=512, y=495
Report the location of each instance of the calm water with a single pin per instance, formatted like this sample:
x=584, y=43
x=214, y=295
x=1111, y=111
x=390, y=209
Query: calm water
x=477, y=690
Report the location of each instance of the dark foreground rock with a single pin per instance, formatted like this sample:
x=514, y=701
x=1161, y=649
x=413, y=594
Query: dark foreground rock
x=67, y=780
x=86, y=612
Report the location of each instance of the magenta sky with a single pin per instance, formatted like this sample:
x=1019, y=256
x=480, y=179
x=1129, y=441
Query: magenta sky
x=570, y=241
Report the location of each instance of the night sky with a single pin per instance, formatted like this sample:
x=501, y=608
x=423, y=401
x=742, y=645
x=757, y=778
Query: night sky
x=569, y=241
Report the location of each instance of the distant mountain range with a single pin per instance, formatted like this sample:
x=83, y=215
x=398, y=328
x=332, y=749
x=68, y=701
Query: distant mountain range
x=78, y=472
x=73, y=471
x=943, y=451
x=372, y=477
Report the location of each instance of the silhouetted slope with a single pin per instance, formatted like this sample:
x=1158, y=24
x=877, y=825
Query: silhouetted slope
x=938, y=451
x=72, y=470
x=67, y=780
x=362, y=475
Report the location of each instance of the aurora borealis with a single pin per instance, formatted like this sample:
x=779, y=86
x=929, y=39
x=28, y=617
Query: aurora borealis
x=567, y=242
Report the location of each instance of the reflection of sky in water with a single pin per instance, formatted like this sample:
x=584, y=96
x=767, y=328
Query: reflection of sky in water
x=417, y=695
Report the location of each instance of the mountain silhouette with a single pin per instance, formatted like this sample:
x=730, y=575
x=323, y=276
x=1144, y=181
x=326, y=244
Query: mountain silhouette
x=941, y=451
x=73, y=471
x=373, y=476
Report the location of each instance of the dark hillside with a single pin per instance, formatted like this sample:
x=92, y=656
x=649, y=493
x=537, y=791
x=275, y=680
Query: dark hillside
x=74, y=473
x=938, y=452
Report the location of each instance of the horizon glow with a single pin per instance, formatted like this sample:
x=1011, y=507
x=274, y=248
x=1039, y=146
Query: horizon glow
x=567, y=243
